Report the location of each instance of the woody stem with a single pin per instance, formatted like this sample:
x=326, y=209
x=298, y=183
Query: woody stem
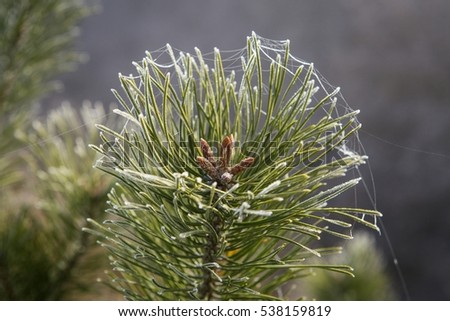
x=206, y=289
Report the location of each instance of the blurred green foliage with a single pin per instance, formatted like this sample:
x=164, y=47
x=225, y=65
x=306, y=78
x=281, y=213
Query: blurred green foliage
x=370, y=282
x=36, y=44
x=48, y=186
x=62, y=190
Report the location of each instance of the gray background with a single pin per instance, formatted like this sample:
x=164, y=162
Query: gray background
x=391, y=59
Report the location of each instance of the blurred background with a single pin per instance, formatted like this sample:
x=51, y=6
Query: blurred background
x=391, y=60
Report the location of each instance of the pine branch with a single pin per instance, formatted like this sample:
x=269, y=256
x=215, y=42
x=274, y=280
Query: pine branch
x=46, y=26
x=225, y=176
x=36, y=44
x=65, y=190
